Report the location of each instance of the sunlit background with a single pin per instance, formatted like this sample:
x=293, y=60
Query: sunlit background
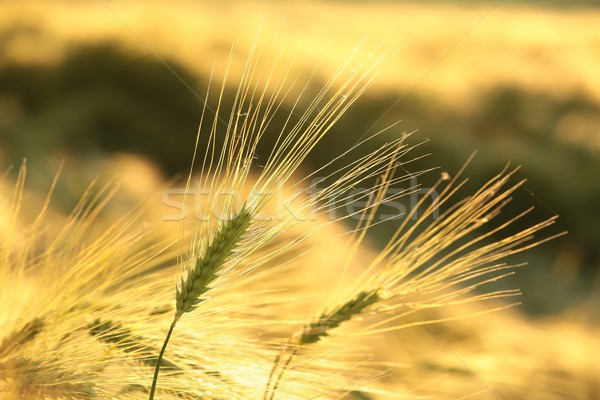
x=117, y=87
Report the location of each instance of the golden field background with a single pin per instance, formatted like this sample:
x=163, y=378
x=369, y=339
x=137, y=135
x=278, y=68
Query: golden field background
x=519, y=83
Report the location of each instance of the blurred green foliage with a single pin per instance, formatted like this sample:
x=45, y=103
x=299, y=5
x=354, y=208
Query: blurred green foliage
x=101, y=99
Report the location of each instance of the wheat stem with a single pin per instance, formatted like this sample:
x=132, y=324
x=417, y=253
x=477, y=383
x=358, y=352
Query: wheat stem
x=205, y=271
x=159, y=360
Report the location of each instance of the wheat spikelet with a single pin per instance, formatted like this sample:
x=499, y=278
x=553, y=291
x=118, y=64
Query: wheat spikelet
x=316, y=330
x=207, y=266
x=22, y=336
x=331, y=320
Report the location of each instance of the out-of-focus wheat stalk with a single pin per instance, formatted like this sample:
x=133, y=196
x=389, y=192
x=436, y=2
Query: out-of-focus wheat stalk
x=54, y=279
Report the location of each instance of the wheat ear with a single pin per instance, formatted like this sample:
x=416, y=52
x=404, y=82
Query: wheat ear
x=22, y=336
x=316, y=330
x=207, y=267
x=205, y=271
x=327, y=321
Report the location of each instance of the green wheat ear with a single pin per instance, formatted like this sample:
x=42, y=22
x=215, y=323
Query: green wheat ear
x=328, y=321
x=22, y=336
x=207, y=267
x=315, y=331
x=205, y=271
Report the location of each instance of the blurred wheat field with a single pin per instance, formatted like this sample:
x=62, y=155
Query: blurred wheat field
x=483, y=356
x=226, y=349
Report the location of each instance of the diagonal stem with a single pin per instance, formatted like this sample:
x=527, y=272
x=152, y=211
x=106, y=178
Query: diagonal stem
x=159, y=361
